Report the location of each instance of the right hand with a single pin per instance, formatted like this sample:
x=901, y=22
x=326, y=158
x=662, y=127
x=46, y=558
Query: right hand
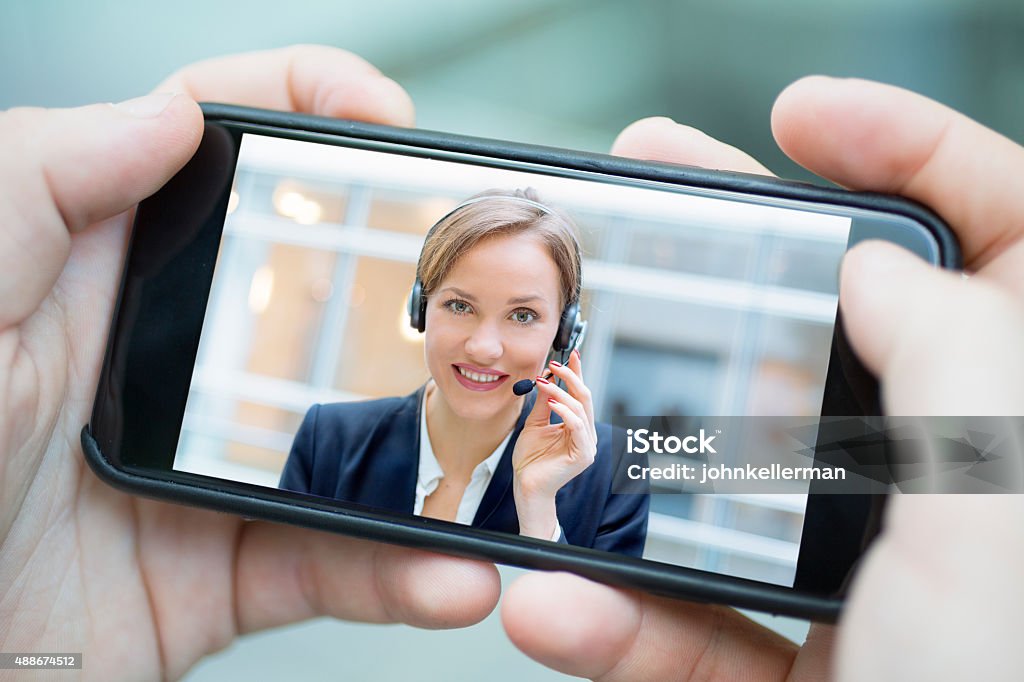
x=547, y=456
x=939, y=593
x=145, y=588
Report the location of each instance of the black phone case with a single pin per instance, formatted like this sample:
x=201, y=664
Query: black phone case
x=662, y=579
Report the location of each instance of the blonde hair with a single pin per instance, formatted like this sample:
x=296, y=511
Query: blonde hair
x=501, y=213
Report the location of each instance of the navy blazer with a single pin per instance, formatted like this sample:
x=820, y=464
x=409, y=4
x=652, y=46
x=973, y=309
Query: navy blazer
x=368, y=452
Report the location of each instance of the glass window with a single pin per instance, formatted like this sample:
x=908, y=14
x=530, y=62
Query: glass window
x=407, y=211
x=286, y=297
x=803, y=264
x=790, y=364
x=656, y=381
x=380, y=355
x=773, y=523
x=693, y=250
x=303, y=201
x=592, y=231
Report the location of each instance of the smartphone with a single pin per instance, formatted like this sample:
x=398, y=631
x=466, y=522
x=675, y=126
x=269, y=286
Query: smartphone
x=307, y=294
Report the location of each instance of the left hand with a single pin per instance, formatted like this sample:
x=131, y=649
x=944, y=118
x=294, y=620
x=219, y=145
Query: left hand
x=547, y=456
x=145, y=588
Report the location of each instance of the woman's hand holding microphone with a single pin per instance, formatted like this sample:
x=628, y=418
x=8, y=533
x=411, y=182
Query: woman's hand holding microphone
x=546, y=455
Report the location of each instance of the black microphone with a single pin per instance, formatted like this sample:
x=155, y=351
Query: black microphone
x=526, y=385
x=523, y=387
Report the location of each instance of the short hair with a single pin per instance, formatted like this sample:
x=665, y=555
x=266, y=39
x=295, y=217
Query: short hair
x=491, y=214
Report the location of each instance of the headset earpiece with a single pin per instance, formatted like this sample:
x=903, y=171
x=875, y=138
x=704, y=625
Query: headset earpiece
x=567, y=327
x=417, y=307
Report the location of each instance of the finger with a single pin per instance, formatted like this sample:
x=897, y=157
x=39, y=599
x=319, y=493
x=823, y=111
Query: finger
x=814, y=660
x=662, y=139
x=573, y=381
x=576, y=362
x=313, y=79
x=582, y=628
x=576, y=425
x=209, y=577
x=576, y=365
x=877, y=137
x=548, y=389
x=571, y=375
x=906, y=318
x=287, y=574
x=974, y=573
x=1005, y=269
x=540, y=413
x=65, y=169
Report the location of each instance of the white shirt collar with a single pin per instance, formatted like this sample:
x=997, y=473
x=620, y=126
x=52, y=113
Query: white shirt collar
x=430, y=472
x=429, y=476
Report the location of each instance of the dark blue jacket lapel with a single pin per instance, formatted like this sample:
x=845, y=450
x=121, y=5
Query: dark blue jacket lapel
x=500, y=486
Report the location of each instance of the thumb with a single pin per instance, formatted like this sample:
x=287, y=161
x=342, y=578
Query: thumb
x=65, y=169
x=939, y=343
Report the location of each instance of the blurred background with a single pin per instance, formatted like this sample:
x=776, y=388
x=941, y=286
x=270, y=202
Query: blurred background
x=569, y=73
x=562, y=73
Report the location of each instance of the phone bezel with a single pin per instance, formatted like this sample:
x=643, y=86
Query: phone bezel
x=101, y=441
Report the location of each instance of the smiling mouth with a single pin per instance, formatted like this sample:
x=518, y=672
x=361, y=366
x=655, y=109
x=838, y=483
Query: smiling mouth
x=478, y=381
x=479, y=378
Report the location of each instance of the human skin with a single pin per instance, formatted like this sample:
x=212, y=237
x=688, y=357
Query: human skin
x=472, y=320
x=939, y=594
x=498, y=311
x=145, y=589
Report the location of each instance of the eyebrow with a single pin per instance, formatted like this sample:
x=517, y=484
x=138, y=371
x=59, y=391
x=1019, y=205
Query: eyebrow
x=512, y=301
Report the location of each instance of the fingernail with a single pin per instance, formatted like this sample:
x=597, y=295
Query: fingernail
x=555, y=364
x=579, y=355
x=543, y=380
x=148, y=106
x=552, y=401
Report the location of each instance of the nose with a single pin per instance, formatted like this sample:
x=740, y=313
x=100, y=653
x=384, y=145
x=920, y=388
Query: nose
x=484, y=345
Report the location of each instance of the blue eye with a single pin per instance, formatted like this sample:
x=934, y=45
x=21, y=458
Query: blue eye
x=524, y=316
x=458, y=306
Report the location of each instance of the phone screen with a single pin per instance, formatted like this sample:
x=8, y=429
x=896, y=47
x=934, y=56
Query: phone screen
x=310, y=378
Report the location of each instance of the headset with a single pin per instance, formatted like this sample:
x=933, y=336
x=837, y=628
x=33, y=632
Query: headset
x=571, y=328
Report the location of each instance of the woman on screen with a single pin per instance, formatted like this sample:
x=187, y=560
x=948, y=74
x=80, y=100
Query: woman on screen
x=496, y=294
